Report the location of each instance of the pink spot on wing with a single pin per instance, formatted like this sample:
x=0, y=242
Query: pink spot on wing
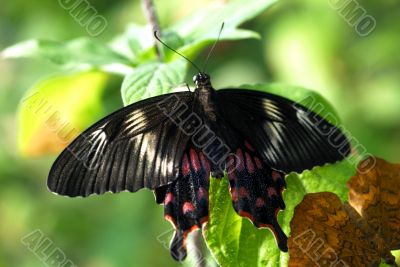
x=230, y=165
x=258, y=163
x=194, y=160
x=271, y=192
x=249, y=163
x=243, y=193
x=247, y=144
x=276, y=175
x=260, y=202
x=240, y=159
x=187, y=207
x=205, y=163
x=231, y=176
x=202, y=193
x=185, y=166
x=168, y=198
x=234, y=194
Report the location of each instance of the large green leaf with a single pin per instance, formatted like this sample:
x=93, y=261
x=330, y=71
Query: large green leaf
x=79, y=53
x=203, y=26
x=233, y=240
x=152, y=79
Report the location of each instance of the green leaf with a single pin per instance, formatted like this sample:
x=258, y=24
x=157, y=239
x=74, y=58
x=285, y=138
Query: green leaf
x=136, y=43
x=331, y=178
x=233, y=240
x=79, y=53
x=396, y=254
x=152, y=79
x=202, y=27
x=55, y=110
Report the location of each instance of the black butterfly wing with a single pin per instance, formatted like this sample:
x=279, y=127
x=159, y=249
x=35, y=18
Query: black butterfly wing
x=287, y=135
x=136, y=147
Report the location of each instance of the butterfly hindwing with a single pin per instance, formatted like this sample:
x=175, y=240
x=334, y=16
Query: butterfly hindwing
x=186, y=199
x=136, y=147
x=284, y=132
x=256, y=190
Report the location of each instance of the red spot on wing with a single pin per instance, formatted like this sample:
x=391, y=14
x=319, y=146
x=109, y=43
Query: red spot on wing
x=168, y=198
x=185, y=166
x=205, y=163
x=231, y=172
x=240, y=159
x=276, y=175
x=271, y=192
x=243, y=193
x=194, y=160
x=234, y=194
x=202, y=194
x=258, y=163
x=260, y=202
x=232, y=176
x=187, y=207
x=247, y=144
x=230, y=168
x=249, y=163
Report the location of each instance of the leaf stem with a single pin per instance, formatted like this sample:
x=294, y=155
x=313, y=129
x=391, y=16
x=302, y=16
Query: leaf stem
x=151, y=16
x=198, y=254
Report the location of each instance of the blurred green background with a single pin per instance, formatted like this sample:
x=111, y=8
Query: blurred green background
x=304, y=43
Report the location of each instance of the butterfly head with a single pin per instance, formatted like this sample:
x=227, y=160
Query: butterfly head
x=202, y=80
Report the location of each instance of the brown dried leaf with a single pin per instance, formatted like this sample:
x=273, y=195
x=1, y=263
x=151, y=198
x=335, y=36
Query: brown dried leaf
x=375, y=195
x=326, y=232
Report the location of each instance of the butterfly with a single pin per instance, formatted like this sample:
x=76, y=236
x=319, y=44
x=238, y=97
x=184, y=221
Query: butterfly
x=327, y=232
x=173, y=143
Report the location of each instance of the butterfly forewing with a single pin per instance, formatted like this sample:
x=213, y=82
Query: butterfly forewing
x=136, y=147
x=287, y=135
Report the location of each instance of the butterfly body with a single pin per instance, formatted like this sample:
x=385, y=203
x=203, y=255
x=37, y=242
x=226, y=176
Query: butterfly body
x=173, y=143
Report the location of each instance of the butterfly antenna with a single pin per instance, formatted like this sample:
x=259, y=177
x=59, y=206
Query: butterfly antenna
x=170, y=48
x=212, y=48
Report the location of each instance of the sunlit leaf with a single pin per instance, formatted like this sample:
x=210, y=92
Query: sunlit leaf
x=79, y=53
x=57, y=109
x=152, y=79
x=203, y=26
x=135, y=43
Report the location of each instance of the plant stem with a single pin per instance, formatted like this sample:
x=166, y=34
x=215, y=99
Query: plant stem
x=151, y=16
x=197, y=250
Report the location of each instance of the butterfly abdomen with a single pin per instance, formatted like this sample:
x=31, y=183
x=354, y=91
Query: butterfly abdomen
x=207, y=99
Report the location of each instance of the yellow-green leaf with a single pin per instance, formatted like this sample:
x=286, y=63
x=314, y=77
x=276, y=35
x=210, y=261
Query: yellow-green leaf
x=55, y=110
